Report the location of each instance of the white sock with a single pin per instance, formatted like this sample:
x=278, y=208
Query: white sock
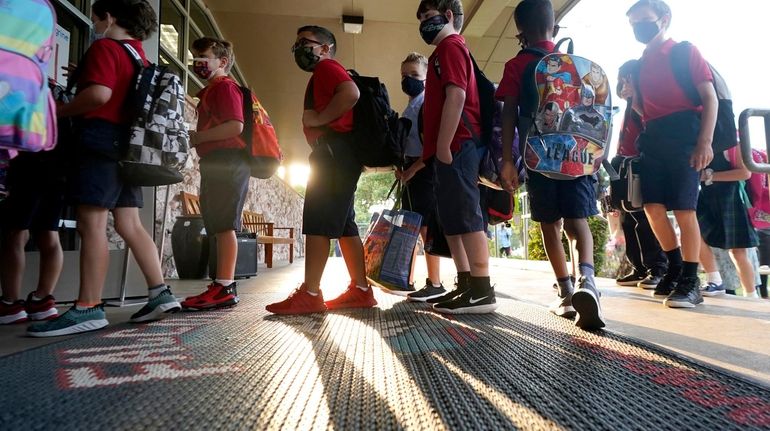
x=224, y=283
x=153, y=292
x=6, y=302
x=363, y=288
x=753, y=294
x=35, y=298
x=714, y=277
x=311, y=293
x=435, y=285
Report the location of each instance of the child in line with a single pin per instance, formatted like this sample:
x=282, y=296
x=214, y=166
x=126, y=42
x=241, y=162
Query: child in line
x=553, y=202
x=224, y=169
x=105, y=81
x=452, y=121
x=416, y=175
x=328, y=212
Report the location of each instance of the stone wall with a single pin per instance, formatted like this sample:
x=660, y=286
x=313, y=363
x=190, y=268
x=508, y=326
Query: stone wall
x=272, y=197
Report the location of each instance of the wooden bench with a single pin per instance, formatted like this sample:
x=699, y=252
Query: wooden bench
x=255, y=222
x=191, y=204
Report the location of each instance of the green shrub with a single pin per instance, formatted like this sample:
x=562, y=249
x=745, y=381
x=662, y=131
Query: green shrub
x=599, y=230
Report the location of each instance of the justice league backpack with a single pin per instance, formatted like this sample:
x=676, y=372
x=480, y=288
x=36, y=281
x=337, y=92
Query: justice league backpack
x=565, y=115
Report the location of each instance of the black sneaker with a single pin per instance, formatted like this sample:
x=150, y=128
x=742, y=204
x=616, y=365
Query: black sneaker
x=664, y=287
x=427, y=292
x=460, y=288
x=650, y=282
x=686, y=294
x=586, y=303
x=466, y=303
x=631, y=279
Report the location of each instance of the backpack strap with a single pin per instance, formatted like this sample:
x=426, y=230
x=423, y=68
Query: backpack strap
x=570, y=45
x=680, y=65
x=528, y=93
x=134, y=54
x=248, y=115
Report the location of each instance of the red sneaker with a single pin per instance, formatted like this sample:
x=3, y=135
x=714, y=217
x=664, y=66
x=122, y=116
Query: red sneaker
x=353, y=297
x=44, y=309
x=215, y=296
x=13, y=313
x=299, y=302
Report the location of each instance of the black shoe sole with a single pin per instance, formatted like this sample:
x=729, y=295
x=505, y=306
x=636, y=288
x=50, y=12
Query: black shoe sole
x=588, y=311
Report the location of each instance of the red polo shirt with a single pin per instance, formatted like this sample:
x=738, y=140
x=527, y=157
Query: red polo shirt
x=511, y=84
x=220, y=101
x=450, y=63
x=661, y=93
x=629, y=131
x=108, y=63
x=327, y=75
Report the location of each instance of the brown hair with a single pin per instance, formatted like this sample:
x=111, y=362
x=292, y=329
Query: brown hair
x=456, y=6
x=136, y=16
x=220, y=47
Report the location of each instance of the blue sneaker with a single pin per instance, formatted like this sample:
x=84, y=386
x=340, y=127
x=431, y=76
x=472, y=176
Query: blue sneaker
x=713, y=289
x=157, y=308
x=73, y=321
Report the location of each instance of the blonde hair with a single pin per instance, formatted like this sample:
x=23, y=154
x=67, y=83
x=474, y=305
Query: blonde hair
x=416, y=57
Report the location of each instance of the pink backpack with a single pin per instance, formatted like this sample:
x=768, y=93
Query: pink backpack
x=758, y=190
x=27, y=109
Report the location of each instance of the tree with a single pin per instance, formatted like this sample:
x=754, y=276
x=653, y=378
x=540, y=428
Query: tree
x=372, y=190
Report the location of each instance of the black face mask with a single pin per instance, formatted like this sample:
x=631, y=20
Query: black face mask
x=646, y=31
x=412, y=86
x=305, y=58
x=431, y=27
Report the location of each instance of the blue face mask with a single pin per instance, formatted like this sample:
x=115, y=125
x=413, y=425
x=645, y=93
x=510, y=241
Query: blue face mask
x=431, y=27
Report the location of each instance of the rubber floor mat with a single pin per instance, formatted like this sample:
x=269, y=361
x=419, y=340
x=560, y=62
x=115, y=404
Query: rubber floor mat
x=398, y=366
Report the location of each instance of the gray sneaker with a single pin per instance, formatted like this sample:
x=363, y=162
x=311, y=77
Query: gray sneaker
x=586, y=303
x=157, y=308
x=73, y=321
x=427, y=292
x=562, y=307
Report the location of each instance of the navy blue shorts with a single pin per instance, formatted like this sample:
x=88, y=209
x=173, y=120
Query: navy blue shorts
x=335, y=170
x=664, y=167
x=419, y=195
x=457, y=192
x=224, y=184
x=551, y=200
x=96, y=178
x=36, y=199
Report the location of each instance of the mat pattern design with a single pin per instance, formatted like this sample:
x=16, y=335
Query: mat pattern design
x=399, y=366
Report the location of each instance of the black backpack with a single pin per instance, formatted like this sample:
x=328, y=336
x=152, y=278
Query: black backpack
x=487, y=103
x=725, y=133
x=375, y=124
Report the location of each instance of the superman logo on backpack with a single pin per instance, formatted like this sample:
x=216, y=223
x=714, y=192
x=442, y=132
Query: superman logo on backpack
x=565, y=115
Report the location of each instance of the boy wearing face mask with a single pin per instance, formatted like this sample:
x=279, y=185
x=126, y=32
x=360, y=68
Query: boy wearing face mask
x=104, y=83
x=553, y=202
x=224, y=170
x=675, y=146
x=416, y=175
x=328, y=211
x=452, y=118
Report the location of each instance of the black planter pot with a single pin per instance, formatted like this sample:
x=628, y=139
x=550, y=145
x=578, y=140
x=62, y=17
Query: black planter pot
x=190, y=247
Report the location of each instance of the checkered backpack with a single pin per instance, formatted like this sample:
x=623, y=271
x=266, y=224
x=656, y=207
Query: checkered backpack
x=158, y=146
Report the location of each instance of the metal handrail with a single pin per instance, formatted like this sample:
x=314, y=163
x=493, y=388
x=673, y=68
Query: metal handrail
x=745, y=139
